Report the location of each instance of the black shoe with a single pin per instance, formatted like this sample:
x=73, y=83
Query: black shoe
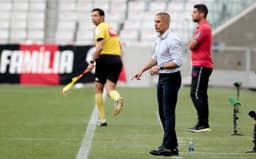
x=161, y=151
x=175, y=152
x=200, y=128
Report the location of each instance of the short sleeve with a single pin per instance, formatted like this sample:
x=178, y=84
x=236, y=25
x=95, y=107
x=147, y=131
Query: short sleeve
x=99, y=32
x=201, y=32
x=198, y=35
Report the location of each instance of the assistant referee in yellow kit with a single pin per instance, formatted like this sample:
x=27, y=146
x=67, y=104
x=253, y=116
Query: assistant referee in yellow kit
x=107, y=59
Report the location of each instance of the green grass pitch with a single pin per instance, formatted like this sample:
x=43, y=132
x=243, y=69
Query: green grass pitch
x=39, y=123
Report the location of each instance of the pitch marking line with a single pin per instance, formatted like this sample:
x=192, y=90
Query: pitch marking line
x=85, y=147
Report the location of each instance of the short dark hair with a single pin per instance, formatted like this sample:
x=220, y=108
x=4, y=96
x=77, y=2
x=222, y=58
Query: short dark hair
x=202, y=8
x=100, y=11
x=166, y=17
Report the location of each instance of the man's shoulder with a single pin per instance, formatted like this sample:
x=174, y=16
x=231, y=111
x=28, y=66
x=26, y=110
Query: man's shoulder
x=103, y=25
x=205, y=26
x=174, y=36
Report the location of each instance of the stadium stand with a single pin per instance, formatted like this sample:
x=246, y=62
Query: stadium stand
x=22, y=20
x=36, y=21
x=68, y=21
x=5, y=8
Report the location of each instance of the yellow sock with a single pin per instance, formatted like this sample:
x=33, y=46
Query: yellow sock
x=114, y=95
x=100, y=105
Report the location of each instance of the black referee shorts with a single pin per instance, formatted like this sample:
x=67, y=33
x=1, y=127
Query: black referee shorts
x=108, y=67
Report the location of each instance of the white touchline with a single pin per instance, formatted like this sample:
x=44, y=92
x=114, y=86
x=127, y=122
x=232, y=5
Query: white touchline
x=85, y=147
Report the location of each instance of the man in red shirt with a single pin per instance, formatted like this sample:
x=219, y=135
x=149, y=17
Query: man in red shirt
x=202, y=66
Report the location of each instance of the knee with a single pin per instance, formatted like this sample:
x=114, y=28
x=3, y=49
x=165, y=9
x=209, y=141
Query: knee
x=98, y=89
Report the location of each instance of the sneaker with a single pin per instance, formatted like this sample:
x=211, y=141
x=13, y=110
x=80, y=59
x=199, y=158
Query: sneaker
x=161, y=151
x=118, y=106
x=200, y=128
x=102, y=122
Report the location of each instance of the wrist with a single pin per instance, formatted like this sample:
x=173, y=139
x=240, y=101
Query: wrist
x=161, y=66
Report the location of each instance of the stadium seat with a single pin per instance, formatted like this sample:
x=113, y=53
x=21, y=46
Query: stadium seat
x=36, y=15
x=36, y=21
x=158, y=6
x=85, y=37
x=18, y=35
x=18, y=24
x=4, y=35
x=20, y=5
x=129, y=36
x=147, y=25
x=85, y=25
x=85, y=31
x=5, y=15
x=66, y=24
x=68, y=1
x=36, y=24
x=135, y=15
x=84, y=6
x=103, y=4
x=66, y=21
x=118, y=17
x=136, y=5
x=37, y=6
x=5, y=5
x=148, y=35
x=132, y=24
x=67, y=6
x=123, y=1
x=118, y=6
x=68, y=15
x=19, y=15
x=36, y=35
x=4, y=30
x=149, y=15
x=174, y=6
x=64, y=36
x=4, y=24
x=84, y=15
x=20, y=1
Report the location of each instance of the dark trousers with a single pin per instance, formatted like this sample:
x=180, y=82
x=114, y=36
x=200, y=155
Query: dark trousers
x=167, y=93
x=198, y=93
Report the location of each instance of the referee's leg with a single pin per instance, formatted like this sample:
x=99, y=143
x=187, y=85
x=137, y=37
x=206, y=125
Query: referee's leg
x=115, y=95
x=114, y=70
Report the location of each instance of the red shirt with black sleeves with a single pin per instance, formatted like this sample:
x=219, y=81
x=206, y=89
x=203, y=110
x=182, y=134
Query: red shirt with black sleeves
x=201, y=55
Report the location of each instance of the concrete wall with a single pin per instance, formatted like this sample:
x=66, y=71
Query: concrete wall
x=134, y=57
x=238, y=31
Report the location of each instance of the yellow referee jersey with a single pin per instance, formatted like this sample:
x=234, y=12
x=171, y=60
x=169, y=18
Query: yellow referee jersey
x=111, y=39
